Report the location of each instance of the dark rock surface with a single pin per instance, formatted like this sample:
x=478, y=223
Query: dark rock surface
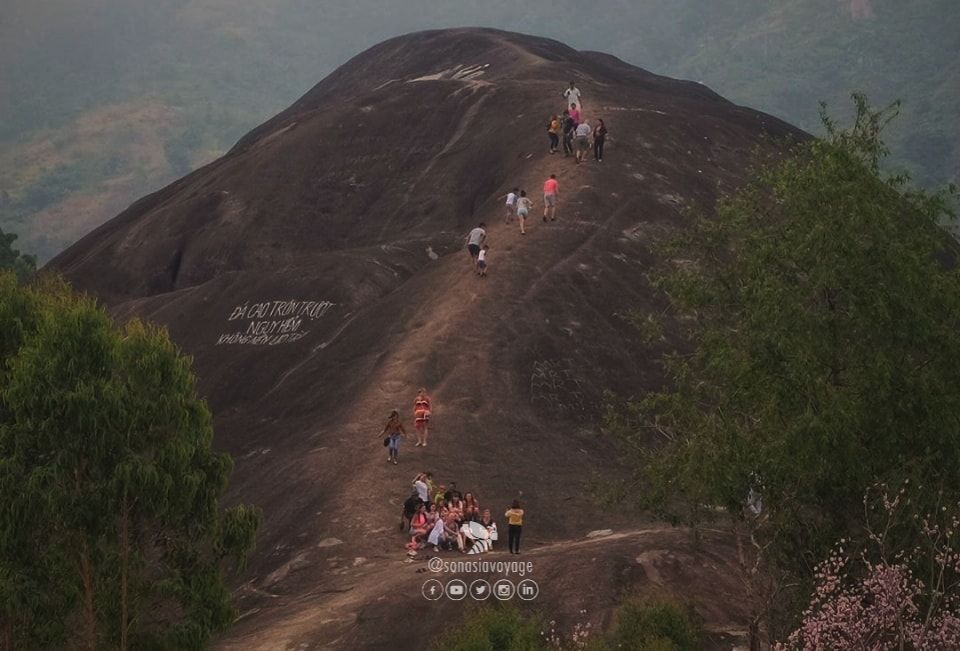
x=317, y=275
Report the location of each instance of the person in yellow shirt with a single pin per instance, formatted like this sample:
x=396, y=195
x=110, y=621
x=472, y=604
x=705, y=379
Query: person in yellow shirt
x=514, y=517
x=553, y=130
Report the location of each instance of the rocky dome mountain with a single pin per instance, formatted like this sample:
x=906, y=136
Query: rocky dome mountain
x=317, y=275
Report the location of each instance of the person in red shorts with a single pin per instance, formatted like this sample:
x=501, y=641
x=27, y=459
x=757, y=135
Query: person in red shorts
x=551, y=194
x=421, y=417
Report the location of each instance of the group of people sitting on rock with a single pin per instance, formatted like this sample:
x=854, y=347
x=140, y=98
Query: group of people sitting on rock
x=442, y=517
x=573, y=129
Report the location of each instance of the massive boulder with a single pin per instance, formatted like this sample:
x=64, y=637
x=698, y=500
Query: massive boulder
x=317, y=274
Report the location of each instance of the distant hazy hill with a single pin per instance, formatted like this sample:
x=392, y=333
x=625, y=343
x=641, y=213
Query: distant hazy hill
x=104, y=100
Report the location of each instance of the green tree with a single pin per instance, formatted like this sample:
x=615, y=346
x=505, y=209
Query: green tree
x=111, y=533
x=11, y=259
x=655, y=625
x=494, y=629
x=820, y=307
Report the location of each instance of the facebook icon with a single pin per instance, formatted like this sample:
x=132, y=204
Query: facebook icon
x=432, y=589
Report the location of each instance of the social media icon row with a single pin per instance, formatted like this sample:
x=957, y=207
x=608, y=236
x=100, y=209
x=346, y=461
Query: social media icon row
x=480, y=589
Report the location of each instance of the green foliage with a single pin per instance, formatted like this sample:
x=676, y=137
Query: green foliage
x=655, y=625
x=111, y=532
x=821, y=304
x=641, y=625
x=495, y=629
x=11, y=259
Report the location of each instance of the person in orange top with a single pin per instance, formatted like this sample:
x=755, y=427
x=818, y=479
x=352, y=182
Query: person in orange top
x=421, y=417
x=551, y=194
x=514, y=517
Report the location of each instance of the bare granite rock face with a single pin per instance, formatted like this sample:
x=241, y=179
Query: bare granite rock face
x=318, y=276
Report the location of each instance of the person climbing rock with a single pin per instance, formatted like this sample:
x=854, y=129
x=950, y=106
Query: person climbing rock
x=421, y=417
x=567, y=127
x=393, y=430
x=553, y=131
x=551, y=195
x=475, y=240
x=511, y=205
x=482, y=261
x=599, y=136
x=575, y=113
x=582, y=140
x=523, y=209
x=514, y=517
x=572, y=95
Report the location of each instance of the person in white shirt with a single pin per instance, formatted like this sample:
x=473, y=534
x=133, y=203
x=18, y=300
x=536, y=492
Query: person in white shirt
x=582, y=139
x=421, y=487
x=572, y=96
x=482, y=261
x=474, y=241
x=511, y=204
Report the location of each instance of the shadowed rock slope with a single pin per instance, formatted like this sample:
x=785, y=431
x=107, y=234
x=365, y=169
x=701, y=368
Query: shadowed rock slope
x=317, y=275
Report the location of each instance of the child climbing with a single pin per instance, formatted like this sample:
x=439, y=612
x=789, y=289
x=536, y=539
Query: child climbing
x=393, y=431
x=523, y=209
x=482, y=261
x=511, y=204
x=514, y=517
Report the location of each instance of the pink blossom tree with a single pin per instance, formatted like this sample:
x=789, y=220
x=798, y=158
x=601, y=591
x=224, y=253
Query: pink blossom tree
x=900, y=591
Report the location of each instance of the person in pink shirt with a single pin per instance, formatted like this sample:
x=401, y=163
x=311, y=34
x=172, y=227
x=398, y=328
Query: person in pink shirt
x=574, y=113
x=551, y=194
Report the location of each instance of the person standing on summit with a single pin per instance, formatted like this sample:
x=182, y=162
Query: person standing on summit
x=572, y=96
x=475, y=240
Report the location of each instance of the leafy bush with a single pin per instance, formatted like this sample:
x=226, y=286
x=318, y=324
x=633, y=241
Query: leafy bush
x=655, y=625
x=495, y=629
x=11, y=259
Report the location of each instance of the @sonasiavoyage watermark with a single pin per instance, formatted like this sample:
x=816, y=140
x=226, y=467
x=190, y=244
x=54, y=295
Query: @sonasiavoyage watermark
x=506, y=568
